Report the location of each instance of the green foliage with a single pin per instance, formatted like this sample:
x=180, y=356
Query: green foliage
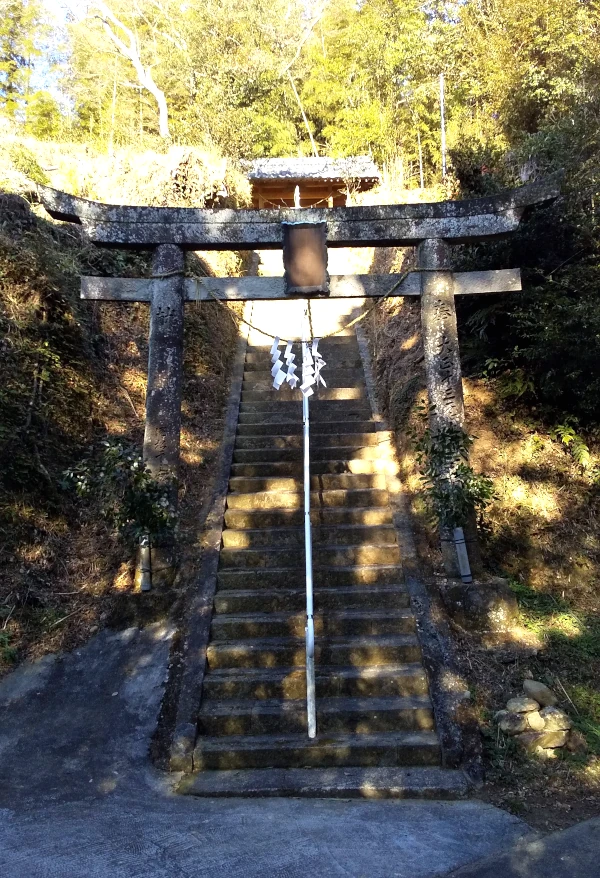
x=42, y=116
x=580, y=452
x=22, y=30
x=116, y=481
x=25, y=162
x=8, y=653
x=451, y=487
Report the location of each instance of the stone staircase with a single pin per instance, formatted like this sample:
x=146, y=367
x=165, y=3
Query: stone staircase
x=376, y=731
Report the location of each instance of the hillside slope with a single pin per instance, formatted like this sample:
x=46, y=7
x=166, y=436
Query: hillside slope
x=74, y=377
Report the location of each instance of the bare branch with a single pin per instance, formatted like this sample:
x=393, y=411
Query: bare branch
x=130, y=49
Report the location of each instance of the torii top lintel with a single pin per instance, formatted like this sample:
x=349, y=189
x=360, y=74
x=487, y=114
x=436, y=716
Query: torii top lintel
x=225, y=229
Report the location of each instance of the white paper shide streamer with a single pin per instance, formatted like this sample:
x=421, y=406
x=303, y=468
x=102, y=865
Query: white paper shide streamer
x=284, y=370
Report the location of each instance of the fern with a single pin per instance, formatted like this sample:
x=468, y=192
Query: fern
x=580, y=451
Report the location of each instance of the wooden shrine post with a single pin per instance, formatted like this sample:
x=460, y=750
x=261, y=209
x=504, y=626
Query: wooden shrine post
x=432, y=228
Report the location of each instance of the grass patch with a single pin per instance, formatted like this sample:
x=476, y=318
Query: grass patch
x=571, y=654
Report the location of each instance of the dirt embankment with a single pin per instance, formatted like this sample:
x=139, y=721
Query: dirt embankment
x=73, y=375
x=542, y=530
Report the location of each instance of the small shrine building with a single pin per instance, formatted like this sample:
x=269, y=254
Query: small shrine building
x=310, y=181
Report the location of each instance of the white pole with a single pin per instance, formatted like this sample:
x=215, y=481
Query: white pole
x=311, y=708
x=443, y=123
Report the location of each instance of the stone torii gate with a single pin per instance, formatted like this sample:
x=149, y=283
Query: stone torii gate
x=432, y=228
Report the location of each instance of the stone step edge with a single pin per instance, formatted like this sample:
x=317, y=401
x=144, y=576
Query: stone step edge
x=337, y=615
x=255, y=675
x=301, y=741
x=348, y=568
x=363, y=641
x=329, y=704
x=296, y=529
x=334, y=783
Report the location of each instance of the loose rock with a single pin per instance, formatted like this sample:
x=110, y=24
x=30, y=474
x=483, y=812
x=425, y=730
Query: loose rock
x=535, y=721
x=522, y=704
x=555, y=719
x=540, y=692
x=513, y=723
x=547, y=740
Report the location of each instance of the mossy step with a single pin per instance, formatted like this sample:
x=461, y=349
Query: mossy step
x=279, y=418
x=321, y=394
x=261, y=683
x=250, y=600
x=288, y=624
x=337, y=714
x=293, y=427
x=298, y=751
x=325, y=441
x=318, y=407
x=328, y=517
x=279, y=537
x=332, y=783
x=366, y=575
x=322, y=555
x=369, y=452
x=334, y=498
x=273, y=652
x=294, y=468
x=324, y=482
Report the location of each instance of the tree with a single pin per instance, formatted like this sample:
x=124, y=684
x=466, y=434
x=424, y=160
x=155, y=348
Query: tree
x=129, y=45
x=22, y=28
x=42, y=116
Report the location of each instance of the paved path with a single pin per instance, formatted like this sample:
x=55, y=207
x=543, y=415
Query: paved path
x=572, y=853
x=78, y=796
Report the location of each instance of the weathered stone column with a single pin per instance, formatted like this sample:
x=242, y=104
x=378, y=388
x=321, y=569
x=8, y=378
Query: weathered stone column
x=163, y=397
x=442, y=367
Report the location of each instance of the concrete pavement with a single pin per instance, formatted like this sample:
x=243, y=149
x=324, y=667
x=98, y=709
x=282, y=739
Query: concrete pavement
x=79, y=797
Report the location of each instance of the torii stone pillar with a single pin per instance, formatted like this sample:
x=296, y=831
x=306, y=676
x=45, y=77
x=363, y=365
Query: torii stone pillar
x=442, y=368
x=163, y=395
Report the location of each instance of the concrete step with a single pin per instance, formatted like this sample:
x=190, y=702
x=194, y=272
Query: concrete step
x=334, y=377
x=293, y=427
x=298, y=751
x=328, y=517
x=324, y=482
x=351, y=498
x=294, y=468
x=251, y=600
x=335, y=715
x=320, y=409
x=288, y=624
x=272, y=652
x=317, y=441
x=260, y=683
x=370, y=575
x=327, y=556
x=333, y=783
x=322, y=394
x=290, y=537
x=280, y=417
x=383, y=451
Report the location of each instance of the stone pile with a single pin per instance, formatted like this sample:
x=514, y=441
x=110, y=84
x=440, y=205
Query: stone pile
x=537, y=724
